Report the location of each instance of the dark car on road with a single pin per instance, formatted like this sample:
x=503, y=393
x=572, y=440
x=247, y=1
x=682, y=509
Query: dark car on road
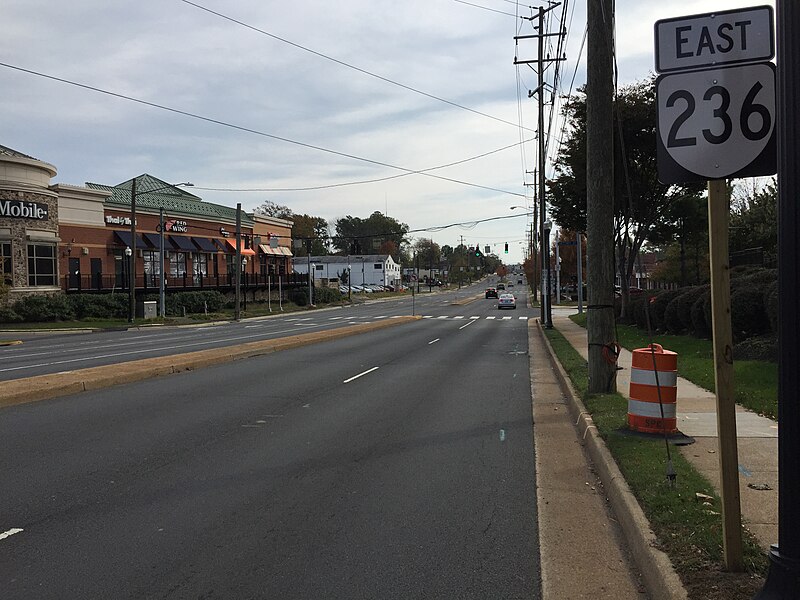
x=491, y=292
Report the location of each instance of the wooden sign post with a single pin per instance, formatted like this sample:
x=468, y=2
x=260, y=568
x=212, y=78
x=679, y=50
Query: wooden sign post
x=718, y=215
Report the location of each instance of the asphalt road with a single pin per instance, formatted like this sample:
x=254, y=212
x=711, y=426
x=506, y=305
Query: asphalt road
x=43, y=354
x=394, y=464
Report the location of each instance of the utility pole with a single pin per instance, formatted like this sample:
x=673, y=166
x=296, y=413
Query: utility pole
x=599, y=191
x=238, y=263
x=783, y=578
x=579, y=240
x=546, y=314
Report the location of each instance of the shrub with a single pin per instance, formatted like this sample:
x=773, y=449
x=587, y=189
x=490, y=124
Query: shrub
x=757, y=277
x=40, y=309
x=659, y=307
x=757, y=348
x=771, y=305
x=700, y=313
x=326, y=295
x=299, y=296
x=7, y=315
x=672, y=322
x=748, y=317
x=193, y=302
x=105, y=306
x=683, y=306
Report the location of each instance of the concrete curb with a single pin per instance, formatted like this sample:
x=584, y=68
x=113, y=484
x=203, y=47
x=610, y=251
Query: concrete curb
x=45, y=387
x=663, y=582
x=10, y=342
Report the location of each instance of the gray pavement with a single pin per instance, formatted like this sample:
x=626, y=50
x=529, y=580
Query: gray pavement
x=584, y=554
x=696, y=414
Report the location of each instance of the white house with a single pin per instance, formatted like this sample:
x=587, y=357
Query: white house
x=377, y=269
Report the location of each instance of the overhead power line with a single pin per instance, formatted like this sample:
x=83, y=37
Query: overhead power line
x=253, y=131
x=346, y=64
x=347, y=183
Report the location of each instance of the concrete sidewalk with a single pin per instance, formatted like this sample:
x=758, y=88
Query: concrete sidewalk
x=696, y=413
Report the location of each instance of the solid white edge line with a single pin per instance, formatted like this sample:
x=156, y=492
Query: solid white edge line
x=360, y=374
x=9, y=533
x=433, y=341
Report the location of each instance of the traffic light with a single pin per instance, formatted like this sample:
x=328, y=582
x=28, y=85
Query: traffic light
x=478, y=251
x=506, y=250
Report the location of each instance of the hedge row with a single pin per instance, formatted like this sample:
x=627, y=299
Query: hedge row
x=59, y=307
x=754, y=306
x=321, y=295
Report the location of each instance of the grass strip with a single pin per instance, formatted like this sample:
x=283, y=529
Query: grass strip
x=688, y=531
x=756, y=381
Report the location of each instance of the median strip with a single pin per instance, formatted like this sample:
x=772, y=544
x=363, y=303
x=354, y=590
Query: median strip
x=45, y=387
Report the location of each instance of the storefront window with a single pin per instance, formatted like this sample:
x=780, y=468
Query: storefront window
x=177, y=264
x=200, y=267
x=5, y=263
x=151, y=266
x=41, y=264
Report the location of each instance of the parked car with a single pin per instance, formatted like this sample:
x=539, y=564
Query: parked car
x=506, y=301
x=491, y=292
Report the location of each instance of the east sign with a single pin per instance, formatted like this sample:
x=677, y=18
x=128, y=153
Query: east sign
x=714, y=39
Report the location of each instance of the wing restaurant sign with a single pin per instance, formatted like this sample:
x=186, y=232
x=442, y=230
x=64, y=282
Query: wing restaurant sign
x=20, y=209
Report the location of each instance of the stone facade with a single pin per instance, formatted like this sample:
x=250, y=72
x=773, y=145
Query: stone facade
x=28, y=214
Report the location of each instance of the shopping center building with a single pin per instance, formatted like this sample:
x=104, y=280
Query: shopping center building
x=57, y=238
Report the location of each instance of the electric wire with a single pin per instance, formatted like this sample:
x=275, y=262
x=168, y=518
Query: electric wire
x=343, y=63
x=363, y=181
x=253, y=131
x=486, y=8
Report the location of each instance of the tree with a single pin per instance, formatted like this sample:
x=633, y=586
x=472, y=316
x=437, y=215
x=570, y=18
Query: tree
x=641, y=201
x=355, y=235
x=683, y=235
x=314, y=228
x=428, y=252
x=271, y=209
x=754, y=220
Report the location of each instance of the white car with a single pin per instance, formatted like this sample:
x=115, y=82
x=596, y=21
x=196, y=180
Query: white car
x=506, y=301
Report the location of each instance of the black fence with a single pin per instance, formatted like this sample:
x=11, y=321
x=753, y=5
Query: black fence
x=100, y=283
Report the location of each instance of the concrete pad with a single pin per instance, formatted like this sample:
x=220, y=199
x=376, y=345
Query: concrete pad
x=583, y=554
x=704, y=424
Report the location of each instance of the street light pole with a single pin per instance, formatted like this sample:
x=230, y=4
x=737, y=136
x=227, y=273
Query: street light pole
x=132, y=266
x=238, y=264
x=162, y=310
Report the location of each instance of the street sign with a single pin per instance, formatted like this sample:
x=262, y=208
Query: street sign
x=572, y=243
x=728, y=37
x=716, y=123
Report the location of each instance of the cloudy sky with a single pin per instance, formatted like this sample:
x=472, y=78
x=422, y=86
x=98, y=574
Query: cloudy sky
x=330, y=79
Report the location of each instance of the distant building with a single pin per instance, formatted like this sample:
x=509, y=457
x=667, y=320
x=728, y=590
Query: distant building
x=375, y=269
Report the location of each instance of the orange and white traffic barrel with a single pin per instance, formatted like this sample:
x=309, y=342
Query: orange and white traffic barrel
x=654, y=390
